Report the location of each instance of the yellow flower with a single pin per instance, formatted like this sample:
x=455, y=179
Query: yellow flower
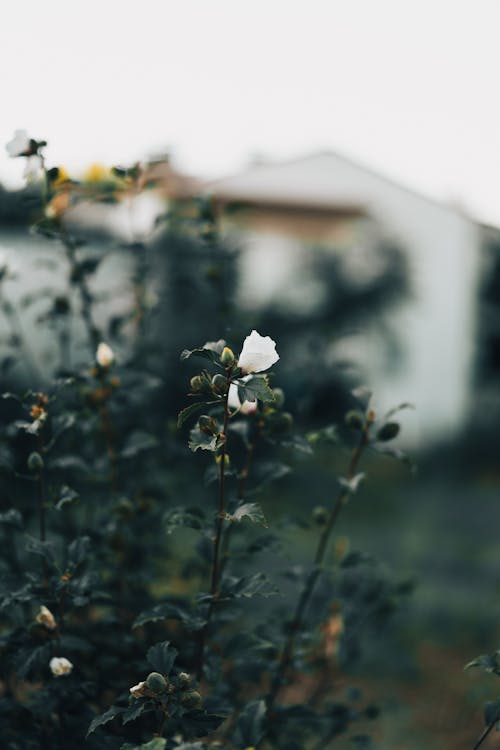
x=96, y=173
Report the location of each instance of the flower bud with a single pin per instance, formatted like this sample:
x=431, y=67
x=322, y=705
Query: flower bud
x=156, y=682
x=46, y=618
x=196, y=383
x=282, y=422
x=60, y=666
x=227, y=357
x=35, y=462
x=355, y=420
x=104, y=356
x=191, y=699
x=320, y=515
x=219, y=384
x=184, y=680
x=208, y=425
x=388, y=432
x=279, y=398
x=139, y=690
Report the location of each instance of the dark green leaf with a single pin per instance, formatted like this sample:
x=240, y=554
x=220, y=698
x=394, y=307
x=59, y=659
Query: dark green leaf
x=67, y=496
x=186, y=413
x=162, y=657
x=191, y=518
x=248, y=586
x=138, y=442
x=104, y=718
x=12, y=518
x=252, y=511
x=250, y=725
x=199, y=440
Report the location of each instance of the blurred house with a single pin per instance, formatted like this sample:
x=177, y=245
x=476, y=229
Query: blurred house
x=288, y=211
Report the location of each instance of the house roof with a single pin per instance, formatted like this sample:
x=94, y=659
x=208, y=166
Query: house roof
x=323, y=179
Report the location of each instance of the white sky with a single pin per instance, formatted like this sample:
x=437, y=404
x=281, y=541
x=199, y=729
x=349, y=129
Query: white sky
x=410, y=87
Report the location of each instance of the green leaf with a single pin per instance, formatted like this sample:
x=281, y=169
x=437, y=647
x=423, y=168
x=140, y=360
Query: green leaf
x=12, y=517
x=211, y=351
x=250, y=726
x=67, y=496
x=486, y=662
x=138, y=442
x=255, y=388
x=199, y=440
x=191, y=518
x=104, y=718
x=248, y=587
x=492, y=712
x=200, y=723
x=78, y=551
x=388, y=431
x=186, y=413
x=169, y=611
x=252, y=511
x=162, y=657
x=136, y=709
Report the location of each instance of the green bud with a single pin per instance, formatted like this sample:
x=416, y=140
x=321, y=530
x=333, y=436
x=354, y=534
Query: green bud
x=227, y=356
x=35, y=462
x=355, y=420
x=196, y=383
x=320, y=515
x=388, y=432
x=279, y=398
x=156, y=682
x=219, y=384
x=184, y=680
x=208, y=425
x=281, y=422
x=191, y=699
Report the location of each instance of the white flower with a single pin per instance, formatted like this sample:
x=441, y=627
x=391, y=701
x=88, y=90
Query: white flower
x=104, y=355
x=20, y=145
x=46, y=618
x=258, y=353
x=60, y=666
x=32, y=168
x=233, y=399
x=138, y=691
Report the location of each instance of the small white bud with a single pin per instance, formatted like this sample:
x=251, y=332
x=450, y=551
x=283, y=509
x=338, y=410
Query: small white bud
x=138, y=691
x=60, y=666
x=46, y=618
x=104, y=355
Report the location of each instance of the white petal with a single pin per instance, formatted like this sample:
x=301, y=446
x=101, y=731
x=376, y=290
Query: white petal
x=19, y=144
x=258, y=353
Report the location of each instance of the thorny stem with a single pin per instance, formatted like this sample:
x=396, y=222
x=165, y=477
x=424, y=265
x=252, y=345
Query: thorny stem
x=216, y=567
x=313, y=576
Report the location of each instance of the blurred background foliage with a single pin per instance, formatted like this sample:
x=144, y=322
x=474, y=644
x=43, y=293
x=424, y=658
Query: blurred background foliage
x=152, y=297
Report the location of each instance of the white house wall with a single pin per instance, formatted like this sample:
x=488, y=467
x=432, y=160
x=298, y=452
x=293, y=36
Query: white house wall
x=437, y=322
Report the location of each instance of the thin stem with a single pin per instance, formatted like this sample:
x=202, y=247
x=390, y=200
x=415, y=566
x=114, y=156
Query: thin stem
x=319, y=558
x=80, y=282
x=484, y=735
x=42, y=500
x=216, y=567
x=241, y=496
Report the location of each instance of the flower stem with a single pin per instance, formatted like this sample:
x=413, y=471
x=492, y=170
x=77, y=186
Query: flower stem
x=312, y=578
x=216, y=566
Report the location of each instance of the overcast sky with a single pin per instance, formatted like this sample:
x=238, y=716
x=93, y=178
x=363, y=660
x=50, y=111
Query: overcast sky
x=410, y=87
